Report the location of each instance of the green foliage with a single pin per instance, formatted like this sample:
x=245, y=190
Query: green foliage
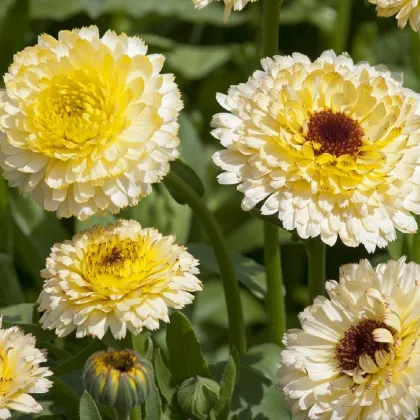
x=88, y=408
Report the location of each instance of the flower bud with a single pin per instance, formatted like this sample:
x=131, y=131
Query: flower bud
x=119, y=379
x=197, y=396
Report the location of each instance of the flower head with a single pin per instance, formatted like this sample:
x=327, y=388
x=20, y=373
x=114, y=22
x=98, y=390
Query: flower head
x=229, y=5
x=406, y=11
x=20, y=372
x=358, y=352
x=89, y=123
x=120, y=379
x=122, y=277
x=330, y=147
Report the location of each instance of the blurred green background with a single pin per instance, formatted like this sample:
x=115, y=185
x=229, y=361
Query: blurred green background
x=206, y=56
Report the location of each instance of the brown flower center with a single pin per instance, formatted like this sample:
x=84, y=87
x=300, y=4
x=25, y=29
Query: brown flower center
x=123, y=361
x=334, y=133
x=357, y=341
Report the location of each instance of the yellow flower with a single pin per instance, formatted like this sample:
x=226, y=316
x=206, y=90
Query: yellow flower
x=89, y=122
x=406, y=10
x=330, y=147
x=122, y=277
x=229, y=5
x=20, y=372
x=357, y=355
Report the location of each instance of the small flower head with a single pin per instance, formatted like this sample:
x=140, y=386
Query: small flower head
x=20, y=372
x=405, y=11
x=120, y=379
x=330, y=147
x=87, y=124
x=229, y=5
x=358, y=352
x=121, y=277
x=197, y=396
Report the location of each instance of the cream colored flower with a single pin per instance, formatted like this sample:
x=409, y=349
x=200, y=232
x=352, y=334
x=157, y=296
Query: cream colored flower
x=122, y=277
x=331, y=147
x=229, y=5
x=406, y=10
x=89, y=122
x=20, y=372
x=358, y=354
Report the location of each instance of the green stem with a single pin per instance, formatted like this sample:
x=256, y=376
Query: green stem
x=271, y=21
x=415, y=52
x=215, y=235
x=121, y=414
x=66, y=396
x=316, y=251
x=275, y=296
x=341, y=34
x=414, y=254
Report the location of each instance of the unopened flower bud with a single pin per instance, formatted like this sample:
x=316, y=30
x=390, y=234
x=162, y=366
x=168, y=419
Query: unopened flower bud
x=119, y=379
x=197, y=396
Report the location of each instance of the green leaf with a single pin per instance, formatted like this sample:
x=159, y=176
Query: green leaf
x=21, y=313
x=227, y=387
x=185, y=358
x=164, y=379
x=161, y=211
x=248, y=272
x=255, y=393
x=196, y=62
x=11, y=289
x=187, y=175
x=399, y=247
x=88, y=408
x=79, y=360
x=153, y=404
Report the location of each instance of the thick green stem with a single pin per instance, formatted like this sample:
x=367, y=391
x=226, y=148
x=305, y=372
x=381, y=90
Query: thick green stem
x=66, y=396
x=316, y=251
x=271, y=21
x=121, y=414
x=275, y=296
x=215, y=235
x=341, y=34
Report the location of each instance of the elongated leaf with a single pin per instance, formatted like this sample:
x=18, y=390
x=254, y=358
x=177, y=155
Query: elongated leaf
x=226, y=390
x=185, y=356
x=248, y=272
x=188, y=176
x=78, y=361
x=11, y=290
x=88, y=408
x=164, y=379
x=153, y=404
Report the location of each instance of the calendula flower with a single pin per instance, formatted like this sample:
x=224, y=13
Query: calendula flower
x=120, y=379
x=20, y=372
x=229, y=5
x=89, y=123
x=120, y=277
x=330, y=147
x=357, y=355
x=406, y=11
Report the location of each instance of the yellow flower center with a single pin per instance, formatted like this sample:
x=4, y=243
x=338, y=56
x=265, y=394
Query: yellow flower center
x=76, y=115
x=123, y=361
x=119, y=266
x=334, y=133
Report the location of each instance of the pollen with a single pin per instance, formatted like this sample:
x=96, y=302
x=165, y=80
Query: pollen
x=357, y=341
x=334, y=133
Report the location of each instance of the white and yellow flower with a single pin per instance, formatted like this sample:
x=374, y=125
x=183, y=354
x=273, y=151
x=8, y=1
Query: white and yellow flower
x=357, y=355
x=229, y=5
x=331, y=147
x=120, y=278
x=405, y=11
x=89, y=123
x=20, y=372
